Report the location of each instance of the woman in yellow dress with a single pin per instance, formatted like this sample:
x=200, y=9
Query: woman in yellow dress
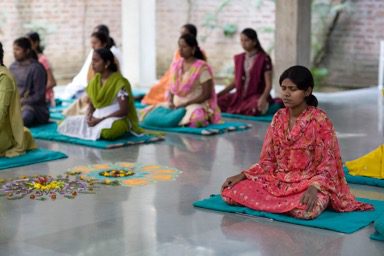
x=15, y=139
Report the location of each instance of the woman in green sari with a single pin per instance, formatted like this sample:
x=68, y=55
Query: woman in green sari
x=111, y=111
x=15, y=139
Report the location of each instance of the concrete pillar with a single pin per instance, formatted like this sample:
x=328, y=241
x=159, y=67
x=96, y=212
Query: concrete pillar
x=292, y=35
x=138, y=41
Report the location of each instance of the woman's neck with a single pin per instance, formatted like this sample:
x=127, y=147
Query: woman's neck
x=25, y=61
x=296, y=111
x=105, y=75
x=189, y=60
x=251, y=52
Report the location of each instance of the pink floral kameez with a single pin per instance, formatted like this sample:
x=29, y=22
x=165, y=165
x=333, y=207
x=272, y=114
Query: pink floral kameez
x=290, y=162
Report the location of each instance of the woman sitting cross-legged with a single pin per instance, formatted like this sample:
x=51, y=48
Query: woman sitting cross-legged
x=300, y=172
x=252, y=81
x=15, y=139
x=111, y=111
x=158, y=92
x=31, y=81
x=191, y=86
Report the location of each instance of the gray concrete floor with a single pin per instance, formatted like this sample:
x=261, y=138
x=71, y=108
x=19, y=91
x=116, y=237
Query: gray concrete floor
x=159, y=219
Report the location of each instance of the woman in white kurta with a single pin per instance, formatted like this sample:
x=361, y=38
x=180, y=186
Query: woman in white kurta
x=111, y=112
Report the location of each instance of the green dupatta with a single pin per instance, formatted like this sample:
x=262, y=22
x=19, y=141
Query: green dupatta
x=103, y=96
x=21, y=135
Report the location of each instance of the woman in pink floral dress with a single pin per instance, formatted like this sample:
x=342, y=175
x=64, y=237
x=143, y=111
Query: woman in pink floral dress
x=300, y=169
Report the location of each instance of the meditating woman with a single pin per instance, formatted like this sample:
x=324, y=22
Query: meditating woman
x=79, y=107
x=158, y=92
x=34, y=37
x=31, y=80
x=111, y=111
x=300, y=172
x=253, y=79
x=99, y=39
x=192, y=87
x=15, y=139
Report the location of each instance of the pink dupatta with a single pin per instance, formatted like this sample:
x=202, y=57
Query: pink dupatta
x=182, y=88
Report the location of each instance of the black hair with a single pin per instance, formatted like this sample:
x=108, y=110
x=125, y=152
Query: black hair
x=191, y=29
x=104, y=29
x=252, y=34
x=103, y=38
x=106, y=55
x=192, y=42
x=35, y=37
x=25, y=44
x=303, y=79
x=1, y=55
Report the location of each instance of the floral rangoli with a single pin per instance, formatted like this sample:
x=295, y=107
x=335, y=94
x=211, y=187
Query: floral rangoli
x=124, y=173
x=43, y=187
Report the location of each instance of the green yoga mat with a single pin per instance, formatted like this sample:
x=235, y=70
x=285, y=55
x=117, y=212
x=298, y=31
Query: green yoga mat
x=49, y=132
x=211, y=129
x=31, y=157
x=362, y=180
x=348, y=222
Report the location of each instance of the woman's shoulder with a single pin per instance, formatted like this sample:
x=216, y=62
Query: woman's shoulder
x=6, y=79
x=239, y=56
x=321, y=118
x=279, y=116
x=318, y=113
x=44, y=61
x=119, y=78
x=36, y=65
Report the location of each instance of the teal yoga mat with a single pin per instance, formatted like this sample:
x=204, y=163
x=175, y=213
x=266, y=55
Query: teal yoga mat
x=49, y=132
x=264, y=118
x=379, y=229
x=261, y=118
x=362, y=180
x=31, y=157
x=211, y=129
x=341, y=222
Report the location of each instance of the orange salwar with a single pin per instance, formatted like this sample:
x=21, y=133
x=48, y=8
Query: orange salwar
x=158, y=92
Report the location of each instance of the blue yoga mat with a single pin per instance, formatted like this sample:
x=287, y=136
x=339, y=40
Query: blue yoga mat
x=261, y=118
x=56, y=116
x=379, y=229
x=208, y=130
x=30, y=157
x=348, y=222
x=362, y=180
x=49, y=132
x=264, y=118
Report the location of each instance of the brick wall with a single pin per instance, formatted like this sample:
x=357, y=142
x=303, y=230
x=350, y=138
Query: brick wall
x=352, y=58
x=353, y=54
x=68, y=25
x=219, y=49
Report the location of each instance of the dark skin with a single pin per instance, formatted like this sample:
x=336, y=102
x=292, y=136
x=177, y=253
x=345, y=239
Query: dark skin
x=294, y=100
x=249, y=47
x=100, y=66
x=187, y=53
